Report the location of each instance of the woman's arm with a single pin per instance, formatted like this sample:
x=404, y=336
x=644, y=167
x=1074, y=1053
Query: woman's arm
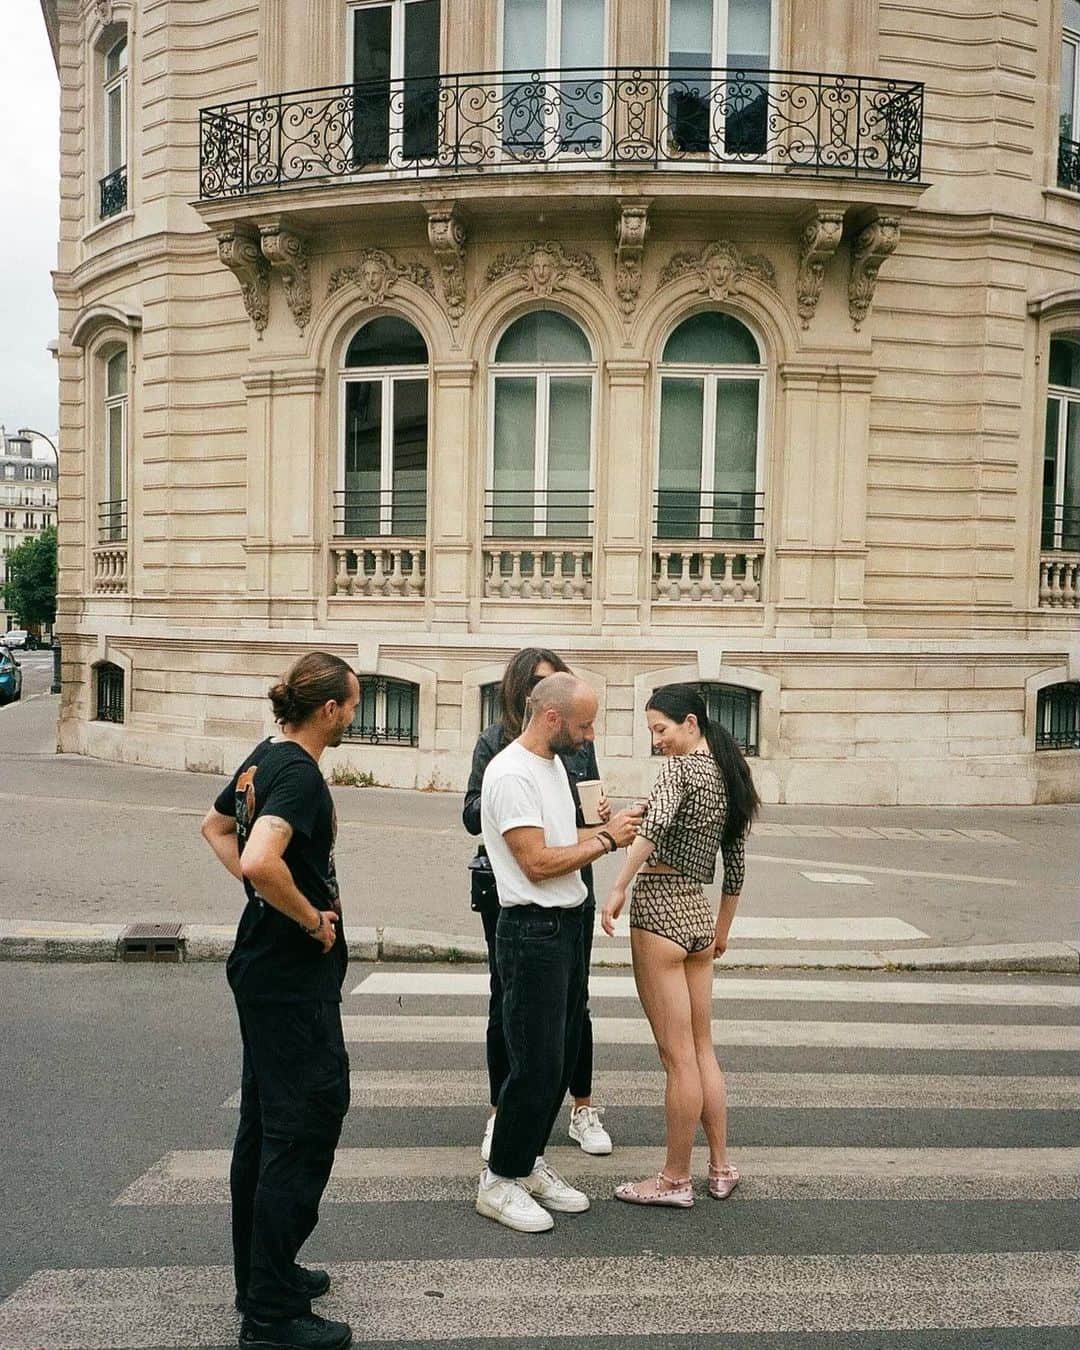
x=639, y=852
x=723, y=922
x=483, y=754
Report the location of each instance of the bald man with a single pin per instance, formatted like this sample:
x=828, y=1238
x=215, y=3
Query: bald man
x=528, y=817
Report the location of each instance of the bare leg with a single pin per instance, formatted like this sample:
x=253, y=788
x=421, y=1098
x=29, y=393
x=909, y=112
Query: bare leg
x=660, y=975
x=699, y=978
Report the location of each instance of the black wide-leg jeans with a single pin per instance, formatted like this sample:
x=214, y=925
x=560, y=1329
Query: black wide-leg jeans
x=541, y=961
x=293, y=1098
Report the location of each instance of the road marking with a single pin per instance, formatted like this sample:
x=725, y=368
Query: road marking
x=444, y=982
x=795, y=928
x=831, y=1035
x=838, y=878
x=968, y=878
x=821, y=1091
x=767, y=829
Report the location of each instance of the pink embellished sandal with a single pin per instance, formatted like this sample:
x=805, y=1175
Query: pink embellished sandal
x=722, y=1180
x=675, y=1192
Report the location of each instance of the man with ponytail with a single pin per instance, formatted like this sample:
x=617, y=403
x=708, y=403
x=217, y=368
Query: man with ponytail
x=273, y=828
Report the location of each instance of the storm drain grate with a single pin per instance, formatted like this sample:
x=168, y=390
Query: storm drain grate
x=152, y=942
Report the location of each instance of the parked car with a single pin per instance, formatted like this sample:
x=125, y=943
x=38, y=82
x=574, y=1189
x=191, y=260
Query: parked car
x=10, y=678
x=16, y=638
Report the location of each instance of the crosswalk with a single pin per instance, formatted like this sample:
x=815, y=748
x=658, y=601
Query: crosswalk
x=908, y=1150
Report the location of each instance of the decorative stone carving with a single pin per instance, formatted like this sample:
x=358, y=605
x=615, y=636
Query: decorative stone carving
x=544, y=267
x=287, y=255
x=376, y=273
x=820, y=240
x=630, y=231
x=446, y=234
x=872, y=246
x=104, y=10
x=239, y=250
x=722, y=269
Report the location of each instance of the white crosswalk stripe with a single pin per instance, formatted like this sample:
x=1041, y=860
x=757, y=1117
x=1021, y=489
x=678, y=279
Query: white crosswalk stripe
x=525, y=1295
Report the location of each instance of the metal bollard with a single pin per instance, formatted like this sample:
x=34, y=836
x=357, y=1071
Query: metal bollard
x=55, y=669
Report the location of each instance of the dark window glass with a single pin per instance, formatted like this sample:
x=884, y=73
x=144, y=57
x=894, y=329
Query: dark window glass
x=388, y=341
x=712, y=338
x=420, y=110
x=736, y=709
x=1057, y=719
x=544, y=336
x=363, y=456
x=489, y=704
x=388, y=712
x=371, y=76
x=1065, y=363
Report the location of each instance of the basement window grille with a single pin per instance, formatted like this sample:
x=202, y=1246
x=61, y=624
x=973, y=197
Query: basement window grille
x=734, y=708
x=109, y=693
x=388, y=712
x=1057, y=717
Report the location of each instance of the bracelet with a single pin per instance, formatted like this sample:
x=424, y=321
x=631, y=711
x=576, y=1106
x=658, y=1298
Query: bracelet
x=602, y=835
x=311, y=932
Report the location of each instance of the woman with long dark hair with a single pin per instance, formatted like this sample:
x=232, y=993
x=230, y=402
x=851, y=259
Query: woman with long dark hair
x=703, y=804
x=523, y=673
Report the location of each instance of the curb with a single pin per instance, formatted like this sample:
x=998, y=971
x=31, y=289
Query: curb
x=34, y=940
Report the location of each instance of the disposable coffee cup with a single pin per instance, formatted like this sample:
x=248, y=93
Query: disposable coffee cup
x=589, y=794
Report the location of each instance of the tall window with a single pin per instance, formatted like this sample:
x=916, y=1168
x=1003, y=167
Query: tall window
x=709, y=466
x=388, y=712
x=1057, y=717
x=541, y=461
x=114, y=184
x=1069, y=123
x=394, y=65
x=1061, y=456
x=112, y=510
x=546, y=37
x=706, y=113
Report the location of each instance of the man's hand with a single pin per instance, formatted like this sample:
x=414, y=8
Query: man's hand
x=623, y=825
x=603, y=809
x=326, y=933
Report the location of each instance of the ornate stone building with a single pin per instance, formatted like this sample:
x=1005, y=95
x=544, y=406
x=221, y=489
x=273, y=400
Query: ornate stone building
x=585, y=323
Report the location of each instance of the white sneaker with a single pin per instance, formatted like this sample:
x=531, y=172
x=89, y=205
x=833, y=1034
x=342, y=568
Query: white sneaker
x=586, y=1129
x=508, y=1202
x=545, y=1185
x=485, y=1143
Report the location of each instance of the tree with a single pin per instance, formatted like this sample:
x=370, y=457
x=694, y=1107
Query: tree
x=30, y=589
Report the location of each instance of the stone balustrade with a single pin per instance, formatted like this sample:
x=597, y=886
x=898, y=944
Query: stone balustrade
x=394, y=568
x=537, y=570
x=1059, y=582
x=708, y=574
x=110, y=569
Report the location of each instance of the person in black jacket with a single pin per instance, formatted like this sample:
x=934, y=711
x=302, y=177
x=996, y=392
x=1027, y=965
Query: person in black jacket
x=523, y=672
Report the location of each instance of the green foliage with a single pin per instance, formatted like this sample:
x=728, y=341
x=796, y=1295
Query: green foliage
x=342, y=776
x=30, y=589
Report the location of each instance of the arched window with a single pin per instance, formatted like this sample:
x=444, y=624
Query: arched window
x=708, y=463
x=382, y=488
x=1057, y=717
x=540, y=467
x=1061, y=455
x=108, y=692
x=112, y=501
x=733, y=707
x=388, y=712
x=114, y=183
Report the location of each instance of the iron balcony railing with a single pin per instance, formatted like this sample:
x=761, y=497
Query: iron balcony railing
x=708, y=515
x=1069, y=164
x=1061, y=527
x=112, y=521
x=113, y=190
x=550, y=513
x=785, y=121
x=366, y=513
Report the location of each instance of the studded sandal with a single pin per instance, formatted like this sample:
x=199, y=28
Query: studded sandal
x=675, y=1192
x=722, y=1180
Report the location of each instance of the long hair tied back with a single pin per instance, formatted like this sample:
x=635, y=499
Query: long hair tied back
x=678, y=701
x=317, y=678
x=515, y=687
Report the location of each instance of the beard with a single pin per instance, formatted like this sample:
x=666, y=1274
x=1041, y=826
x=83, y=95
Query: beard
x=562, y=742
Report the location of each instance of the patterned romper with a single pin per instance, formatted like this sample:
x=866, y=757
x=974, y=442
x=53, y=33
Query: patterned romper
x=685, y=819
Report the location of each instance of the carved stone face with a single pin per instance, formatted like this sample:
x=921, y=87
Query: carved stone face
x=719, y=273
x=544, y=269
x=373, y=277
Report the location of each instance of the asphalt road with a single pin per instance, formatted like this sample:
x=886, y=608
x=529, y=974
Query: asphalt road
x=37, y=669
x=900, y=1192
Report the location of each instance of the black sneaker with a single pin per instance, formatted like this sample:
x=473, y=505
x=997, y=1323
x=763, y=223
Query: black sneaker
x=315, y=1284
x=309, y=1332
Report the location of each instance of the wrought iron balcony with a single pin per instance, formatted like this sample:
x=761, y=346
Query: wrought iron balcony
x=634, y=118
x=553, y=513
x=112, y=521
x=1069, y=164
x=708, y=515
x=113, y=189
x=361, y=513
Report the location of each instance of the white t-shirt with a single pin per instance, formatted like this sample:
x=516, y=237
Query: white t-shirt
x=521, y=788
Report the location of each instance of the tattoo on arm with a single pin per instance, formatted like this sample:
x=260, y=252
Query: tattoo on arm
x=277, y=826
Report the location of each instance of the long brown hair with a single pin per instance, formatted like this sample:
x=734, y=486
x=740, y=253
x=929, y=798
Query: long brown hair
x=517, y=685
x=315, y=679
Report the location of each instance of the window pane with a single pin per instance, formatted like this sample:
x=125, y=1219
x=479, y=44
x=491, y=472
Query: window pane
x=749, y=31
x=543, y=335
x=525, y=34
x=116, y=375
x=371, y=74
x=1065, y=363
x=387, y=342
x=410, y=457
x=690, y=37
x=1071, y=15
x=363, y=456
x=1053, y=426
x=582, y=32
x=515, y=455
x=1071, y=513
x=568, y=456
x=117, y=60
x=421, y=99
x=735, y=709
x=736, y=459
x=712, y=339
x=678, y=513
x=114, y=472
x=115, y=120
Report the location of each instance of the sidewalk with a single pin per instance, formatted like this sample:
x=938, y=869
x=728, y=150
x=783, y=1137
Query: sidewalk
x=92, y=847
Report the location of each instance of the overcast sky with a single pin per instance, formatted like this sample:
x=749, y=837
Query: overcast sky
x=29, y=172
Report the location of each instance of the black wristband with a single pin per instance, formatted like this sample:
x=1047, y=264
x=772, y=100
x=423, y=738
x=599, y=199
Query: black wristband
x=603, y=834
x=312, y=932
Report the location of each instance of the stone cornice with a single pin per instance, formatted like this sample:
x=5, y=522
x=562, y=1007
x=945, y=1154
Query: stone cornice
x=283, y=381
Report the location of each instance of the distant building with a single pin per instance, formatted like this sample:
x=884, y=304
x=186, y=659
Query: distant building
x=27, y=503
x=733, y=341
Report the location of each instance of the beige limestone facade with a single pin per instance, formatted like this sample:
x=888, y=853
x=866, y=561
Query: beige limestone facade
x=852, y=542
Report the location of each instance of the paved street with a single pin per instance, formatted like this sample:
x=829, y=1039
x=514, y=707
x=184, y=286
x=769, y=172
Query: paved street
x=37, y=669
x=907, y=1145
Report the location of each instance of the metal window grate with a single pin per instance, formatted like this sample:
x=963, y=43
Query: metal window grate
x=1069, y=164
x=1057, y=717
x=735, y=709
x=489, y=704
x=109, y=692
x=152, y=942
x=388, y=712
x=113, y=188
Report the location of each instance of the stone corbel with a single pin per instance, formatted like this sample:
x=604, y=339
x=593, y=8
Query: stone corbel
x=104, y=10
x=630, y=231
x=238, y=249
x=872, y=245
x=287, y=254
x=820, y=240
x=447, y=236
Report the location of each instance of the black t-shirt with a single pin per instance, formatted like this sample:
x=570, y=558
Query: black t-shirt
x=273, y=958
